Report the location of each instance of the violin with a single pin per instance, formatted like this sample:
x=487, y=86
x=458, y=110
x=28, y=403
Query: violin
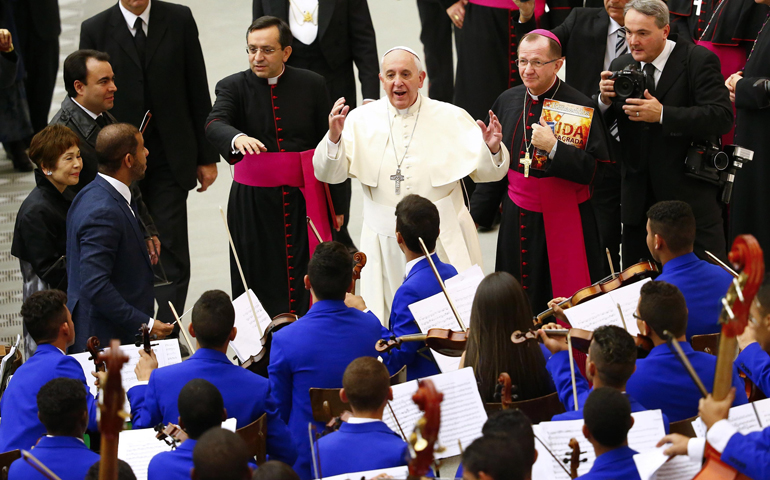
x=92, y=346
x=631, y=274
x=581, y=339
x=423, y=441
x=172, y=435
x=505, y=391
x=258, y=363
x=111, y=414
x=143, y=339
x=442, y=340
x=359, y=262
x=574, y=458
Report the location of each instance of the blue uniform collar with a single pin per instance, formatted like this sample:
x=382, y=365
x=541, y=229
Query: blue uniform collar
x=60, y=442
x=680, y=261
x=620, y=454
x=187, y=445
x=327, y=306
x=368, y=427
x=210, y=354
x=663, y=349
x=45, y=348
x=422, y=264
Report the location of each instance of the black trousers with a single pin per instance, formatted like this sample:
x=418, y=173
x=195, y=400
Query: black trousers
x=606, y=203
x=436, y=38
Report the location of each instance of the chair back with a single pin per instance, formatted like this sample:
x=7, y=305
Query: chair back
x=326, y=404
x=398, y=377
x=6, y=459
x=683, y=427
x=540, y=409
x=706, y=343
x=255, y=436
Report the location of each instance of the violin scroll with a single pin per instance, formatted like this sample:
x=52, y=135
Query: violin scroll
x=423, y=441
x=92, y=346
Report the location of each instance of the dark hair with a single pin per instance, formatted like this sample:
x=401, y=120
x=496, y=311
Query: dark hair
x=124, y=471
x=274, y=470
x=330, y=271
x=500, y=308
x=613, y=350
x=43, y=313
x=763, y=296
x=284, y=31
x=220, y=455
x=61, y=403
x=213, y=317
x=554, y=49
x=75, y=68
x=113, y=143
x=663, y=307
x=417, y=217
x=674, y=221
x=50, y=143
x=366, y=382
x=200, y=407
x=607, y=416
x=494, y=456
x=516, y=426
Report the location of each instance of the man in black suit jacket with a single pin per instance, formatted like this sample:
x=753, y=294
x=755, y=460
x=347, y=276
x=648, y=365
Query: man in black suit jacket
x=438, y=18
x=685, y=100
x=160, y=67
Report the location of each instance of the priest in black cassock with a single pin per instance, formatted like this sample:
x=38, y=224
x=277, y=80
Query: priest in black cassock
x=548, y=238
x=271, y=108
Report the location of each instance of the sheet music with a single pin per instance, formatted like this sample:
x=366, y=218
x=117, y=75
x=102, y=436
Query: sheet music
x=603, y=310
x=435, y=312
x=8, y=359
x=543, y=467
x=394, y=472
x=654, y=465
x=462, y=411
x=446, y=363
x=247, y=341
x=137, y=447
x=762, y=407
x=744, y=417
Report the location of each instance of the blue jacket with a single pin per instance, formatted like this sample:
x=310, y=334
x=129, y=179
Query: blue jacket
x=246, y=396
x=420, y=284
x=616, y=464
x=755, y=363
x=110, y=291
x=361, y=447
x=314, y=352
x=661, y=382
x=20, y=427
x=173, y=465
x=67, y=457
x=703, y=285
x=749, y=454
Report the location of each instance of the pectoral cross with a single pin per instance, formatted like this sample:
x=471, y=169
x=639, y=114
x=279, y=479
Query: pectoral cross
x=698, y=4
x=398, y=178
x=307, y=16
x=526, y=161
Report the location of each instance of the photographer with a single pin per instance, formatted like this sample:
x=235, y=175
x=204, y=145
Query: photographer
x=679, y=99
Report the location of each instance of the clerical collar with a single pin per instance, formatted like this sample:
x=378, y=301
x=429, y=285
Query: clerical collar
x=274, y=80
x=408, y=111
x=536, y=97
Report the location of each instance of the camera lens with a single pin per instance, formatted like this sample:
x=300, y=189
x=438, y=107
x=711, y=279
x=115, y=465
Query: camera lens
x=624, y=87
x=721, y=160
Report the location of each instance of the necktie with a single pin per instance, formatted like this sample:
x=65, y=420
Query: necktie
x=620, y=43
x=140, y=39
x=649, y=72
x=101, y=121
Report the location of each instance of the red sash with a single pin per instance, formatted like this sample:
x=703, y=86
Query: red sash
x=290, y=169
x=733, y=59
x=509, y=5
x=557, y=199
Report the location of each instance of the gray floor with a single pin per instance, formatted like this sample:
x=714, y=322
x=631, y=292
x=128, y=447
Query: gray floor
x=222, y=25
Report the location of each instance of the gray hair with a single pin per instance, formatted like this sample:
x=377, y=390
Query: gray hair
x=650, y=8
x=417, y=61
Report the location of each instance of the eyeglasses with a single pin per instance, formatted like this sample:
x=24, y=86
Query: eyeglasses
x=638, y=317
x=522, y=63
x=264, y=50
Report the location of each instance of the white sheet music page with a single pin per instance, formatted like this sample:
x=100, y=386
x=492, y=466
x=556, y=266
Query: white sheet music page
x=247, y=342
x=446, y=363
x=393, y=472
x=744, y=417
x=137, y=447
x=603, y=310
x=762, y=407
x=435, y=312
x=654, y=465
x=462, y=411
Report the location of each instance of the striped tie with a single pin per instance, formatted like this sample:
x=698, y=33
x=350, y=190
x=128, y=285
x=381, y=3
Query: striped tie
x=620, y=44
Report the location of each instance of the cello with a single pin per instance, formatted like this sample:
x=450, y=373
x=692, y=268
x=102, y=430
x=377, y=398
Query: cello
x=92, y=346
x=423, y=441
x=111, y=414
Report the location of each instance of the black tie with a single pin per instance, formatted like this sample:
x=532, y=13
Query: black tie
x=140, y=39
x=101, y=121
x=649, y=72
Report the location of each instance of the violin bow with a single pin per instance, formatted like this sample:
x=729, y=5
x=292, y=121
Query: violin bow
x=609, y=260
x=240, y=270
x=39, y=466
x=181, y=326
x=554, y=456
x=314, y=454
x=622, y=317
x=441, y=283
x=315, y=230
x=572, y=369
x=676, y=349
x=398, y=424
x=722, y=264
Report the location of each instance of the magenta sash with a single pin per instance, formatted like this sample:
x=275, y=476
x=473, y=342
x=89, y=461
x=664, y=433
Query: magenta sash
x=290, y=169
x=733, y=59
x=557, y=199
x=509, y=5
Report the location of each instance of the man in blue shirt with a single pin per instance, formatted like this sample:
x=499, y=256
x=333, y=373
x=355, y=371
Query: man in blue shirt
x=670, y=238
x=220, y=455
x=314, y=351
x=366, y=387
x=608, y=419
x=754, y=360
x=493, y=458
x=662, y=308
x=201, y=408
x=49, y=323
x=246, y=395
x=63, y=409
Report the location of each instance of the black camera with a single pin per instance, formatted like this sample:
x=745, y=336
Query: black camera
x=629, y=83
x=706, y=161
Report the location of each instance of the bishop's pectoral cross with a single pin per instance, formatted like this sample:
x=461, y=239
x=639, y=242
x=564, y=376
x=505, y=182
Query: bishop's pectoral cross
x=398, y=178
x=526, y=161
x=697, y=3
x=307, y=16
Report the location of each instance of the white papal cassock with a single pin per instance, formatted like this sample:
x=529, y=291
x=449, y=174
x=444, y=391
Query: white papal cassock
x=447, y=145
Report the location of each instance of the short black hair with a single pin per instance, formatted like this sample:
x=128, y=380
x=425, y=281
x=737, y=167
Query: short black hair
x=607, y=416
x=517, y=427
x=284, y=31
x=213, y=317
x=274, y=470
x=200, y=407
x=113, y=143
x=366, y=382
x=330, y=271
x=75, y=68
x=663, y=307
x=124, y=471
x=61, y=403
x=613, y=350
x=494, y=456
x=220, y=455
x=43, y=313
x=674, y=221
x=417, y=217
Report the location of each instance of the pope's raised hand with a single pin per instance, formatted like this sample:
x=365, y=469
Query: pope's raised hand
x=493, y=133
x=337, y=119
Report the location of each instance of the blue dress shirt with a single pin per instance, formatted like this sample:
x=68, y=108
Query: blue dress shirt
x=67, y=457
x=361, y=447
x=616, y=464
x=173, y=465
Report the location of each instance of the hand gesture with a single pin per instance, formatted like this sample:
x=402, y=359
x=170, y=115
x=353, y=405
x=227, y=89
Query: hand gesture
x=153, y=248
x=731, y=82
x=712, y=411
x=542, y=136
x=526, y=9
x=6, y=41
x=678, y=444
x=606, y=88
x=647, y=109
x=558, y=312
x=246, y=144
x=457, y=13
x=337, y=119
x=162, y=330
x=355, y=301
x=554, y=344
x=493, y=134
x=146, y=364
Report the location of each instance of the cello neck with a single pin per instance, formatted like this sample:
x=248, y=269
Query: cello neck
x=723, y=377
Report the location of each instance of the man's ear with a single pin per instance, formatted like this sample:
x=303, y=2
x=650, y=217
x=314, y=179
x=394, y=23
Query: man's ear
x=646, y=330
x=632, y=422
x=591, y=369
x=306, y=281
x=79, y=87
x=224, y=414
x=191, y=330
x=390, y=393
x=586, y=432
x=344, y=396
x=534, y=457
x=129, y=160
x=64, y=330
x=233, y=333
x=399, y=238
x=181, y=423
x=193, y=474
x=658, y=242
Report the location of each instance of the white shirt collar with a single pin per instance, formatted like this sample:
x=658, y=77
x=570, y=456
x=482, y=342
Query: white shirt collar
x=535, y=97
x=121, y=187
x=660, y=61
x=131, y=18
x=89, y=112
x=274, y=80
x=62, y=351
x=359, y=420
x=407, y=111
x=614, y=27
x=410, y=264
x=54, y=436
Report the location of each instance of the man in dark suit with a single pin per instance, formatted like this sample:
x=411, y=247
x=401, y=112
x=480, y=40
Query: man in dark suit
x=108, y=268
x=160, y=68
x=685, y=100
x=438, y=18
x=329, y=36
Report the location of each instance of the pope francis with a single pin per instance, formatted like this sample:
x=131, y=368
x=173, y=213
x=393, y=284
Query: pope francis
x=409, y=144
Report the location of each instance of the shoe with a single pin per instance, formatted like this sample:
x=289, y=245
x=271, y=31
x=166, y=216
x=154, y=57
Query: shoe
x=19, y=157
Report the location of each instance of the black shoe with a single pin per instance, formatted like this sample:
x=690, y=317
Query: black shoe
x=19, y=157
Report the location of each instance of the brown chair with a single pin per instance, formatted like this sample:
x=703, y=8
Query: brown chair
x=540, y=409
x=326, y=404
x=706, y=343
x=684, y=427
x=255, y=436
x=6, y=459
